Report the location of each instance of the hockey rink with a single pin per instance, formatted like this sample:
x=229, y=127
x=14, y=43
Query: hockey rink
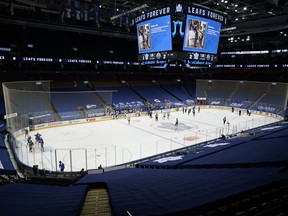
x=114, y=142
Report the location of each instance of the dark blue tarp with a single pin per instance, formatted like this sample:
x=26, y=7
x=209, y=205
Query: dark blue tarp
x=32, y=199
x=6, y=166
x=163, y=191
x=2, y=126
x=2, y=141
x=253, y=153
x=194, y=153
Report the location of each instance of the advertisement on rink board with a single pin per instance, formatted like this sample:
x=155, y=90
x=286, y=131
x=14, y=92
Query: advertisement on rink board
x=71, y=122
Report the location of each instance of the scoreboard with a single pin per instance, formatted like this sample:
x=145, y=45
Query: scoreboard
x=178, y=33
x=190, y=58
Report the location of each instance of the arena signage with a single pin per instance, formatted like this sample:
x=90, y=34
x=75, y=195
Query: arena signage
x=91, y=119
x=44, y=59
x=157, y=100
x=40, y=126
x=12, y=115
x=192, y=101
x=225, y=66
x=151, y=14
x=271, y=128
x=92, y=115
x=83, y=61
x=215, y=102
x=236, y=104
x=201, y=98
x=216, y=145
x=55, y=123
x=35, y=59
x=205, y=13
x=268, y=109
x=170, y=158
x=199, y=11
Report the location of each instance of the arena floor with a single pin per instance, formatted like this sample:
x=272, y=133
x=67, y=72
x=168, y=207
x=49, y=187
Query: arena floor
x=115, y=142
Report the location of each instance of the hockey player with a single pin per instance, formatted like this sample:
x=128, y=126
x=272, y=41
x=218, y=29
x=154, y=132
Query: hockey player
x=176, y=123
x=26, y=133
x=41, y=142
x=248, y=112
x=37, y=137
x=156, y=117
x=30, y=143
x=168, y=114
x=61, y=166
x=29, y=139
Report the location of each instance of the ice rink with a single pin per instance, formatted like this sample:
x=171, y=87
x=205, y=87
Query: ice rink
x=113, y=142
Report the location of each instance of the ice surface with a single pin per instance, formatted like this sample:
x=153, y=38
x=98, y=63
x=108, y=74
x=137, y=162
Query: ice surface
x=115, y=142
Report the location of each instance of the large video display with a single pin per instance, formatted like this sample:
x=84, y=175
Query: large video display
x=201, y=35
x=154, y=35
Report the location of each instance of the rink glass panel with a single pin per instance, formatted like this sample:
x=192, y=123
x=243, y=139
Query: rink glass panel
x=35, y=103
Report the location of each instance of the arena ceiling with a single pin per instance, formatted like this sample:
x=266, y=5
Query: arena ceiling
x=235, y=10
x=248, y=16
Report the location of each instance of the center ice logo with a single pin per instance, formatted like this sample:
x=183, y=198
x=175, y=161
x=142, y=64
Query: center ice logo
x=170, y=126
x=171, y=158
